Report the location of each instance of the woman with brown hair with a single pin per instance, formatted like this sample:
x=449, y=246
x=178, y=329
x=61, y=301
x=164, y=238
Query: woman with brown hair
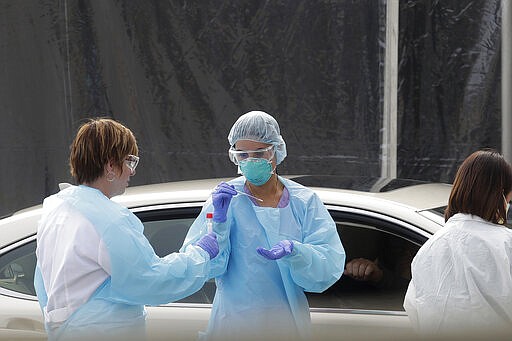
x=462, y=276
x=95, y=268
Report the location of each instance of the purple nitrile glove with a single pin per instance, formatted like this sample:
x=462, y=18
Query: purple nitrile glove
x=221, y=197
x=281, y=249
x=209, y=243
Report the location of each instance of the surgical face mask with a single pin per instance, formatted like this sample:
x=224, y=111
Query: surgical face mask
x=256, y=170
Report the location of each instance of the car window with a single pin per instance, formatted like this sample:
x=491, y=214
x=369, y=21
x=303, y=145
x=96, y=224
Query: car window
x=385, y=246
x=392, y=246
x=166, y=230
x=439, y=210
x=17, y=269
x=167, y=236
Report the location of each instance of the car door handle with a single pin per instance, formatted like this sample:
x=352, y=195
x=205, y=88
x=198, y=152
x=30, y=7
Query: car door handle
x=25, y=324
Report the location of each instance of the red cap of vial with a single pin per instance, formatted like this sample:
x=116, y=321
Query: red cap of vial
x=209, y=215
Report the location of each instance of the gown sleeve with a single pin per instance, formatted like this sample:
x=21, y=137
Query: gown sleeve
x=40, y=290
x=318, y=261
x=139, y=276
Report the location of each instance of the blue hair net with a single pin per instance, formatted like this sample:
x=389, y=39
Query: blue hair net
x=259, y=126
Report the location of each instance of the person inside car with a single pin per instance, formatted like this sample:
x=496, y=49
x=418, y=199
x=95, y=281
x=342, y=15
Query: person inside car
x=389, y=269
x=276, y=241
x=95, y=268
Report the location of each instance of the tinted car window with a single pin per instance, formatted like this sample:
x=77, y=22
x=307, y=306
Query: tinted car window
x=166, y=230
x=382, y=244
x=167, y=236
x=392, y=246
x=439, y=210
x=17, y=269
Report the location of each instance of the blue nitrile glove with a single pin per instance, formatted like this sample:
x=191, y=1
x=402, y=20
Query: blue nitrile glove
x=209, y=243
x=221, y=197
x=281, y=249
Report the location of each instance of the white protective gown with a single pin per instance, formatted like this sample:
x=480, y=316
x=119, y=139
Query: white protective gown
x=257, y=298
x=96, y=270
x=462, y=278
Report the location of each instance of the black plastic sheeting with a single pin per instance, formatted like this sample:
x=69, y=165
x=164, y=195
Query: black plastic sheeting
x=449, y=85
x=179, y=73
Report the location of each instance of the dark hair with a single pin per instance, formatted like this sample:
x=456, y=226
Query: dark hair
x=97, y=142
x=480, y=184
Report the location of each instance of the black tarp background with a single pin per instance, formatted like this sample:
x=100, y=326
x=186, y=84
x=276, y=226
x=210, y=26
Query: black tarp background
x=179, y=73
x=449, y=85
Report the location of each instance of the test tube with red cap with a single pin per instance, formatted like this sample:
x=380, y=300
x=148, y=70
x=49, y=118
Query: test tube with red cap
x=209, y=221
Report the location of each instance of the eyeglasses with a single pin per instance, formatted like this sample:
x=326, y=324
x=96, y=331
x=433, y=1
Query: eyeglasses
x=132, y=161
x=238, y=156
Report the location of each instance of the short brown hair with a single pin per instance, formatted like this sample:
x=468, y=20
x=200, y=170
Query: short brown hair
x=480, y=184
x=97, y=142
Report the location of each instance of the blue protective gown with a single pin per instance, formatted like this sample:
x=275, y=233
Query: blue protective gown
x=138, y=275
x=255, y=294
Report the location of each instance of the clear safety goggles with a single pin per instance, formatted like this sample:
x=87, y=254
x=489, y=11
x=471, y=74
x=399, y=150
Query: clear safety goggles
x=132, y=161
x=238, y=156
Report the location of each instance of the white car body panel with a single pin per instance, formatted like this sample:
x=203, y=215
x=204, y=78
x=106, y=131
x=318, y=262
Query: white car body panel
x=21, y=313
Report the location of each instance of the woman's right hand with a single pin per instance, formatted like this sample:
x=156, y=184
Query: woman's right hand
x=221, y=197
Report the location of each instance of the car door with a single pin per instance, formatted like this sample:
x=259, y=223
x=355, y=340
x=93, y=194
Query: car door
x=347, y=308
x=20, y=315
x=165, y=227
x=357, y=309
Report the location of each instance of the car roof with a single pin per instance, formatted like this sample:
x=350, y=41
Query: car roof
x=419, y=197
x=411, y=203
x=168, y=192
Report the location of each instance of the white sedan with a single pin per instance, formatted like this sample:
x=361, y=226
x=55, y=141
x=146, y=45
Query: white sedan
x=385, y=227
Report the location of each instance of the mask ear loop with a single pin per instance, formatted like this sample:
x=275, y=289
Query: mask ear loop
x=507, y=205
x=502, y=221
x=111, y=175
x=111, y=178
x=274, y=157
x=273, y=171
